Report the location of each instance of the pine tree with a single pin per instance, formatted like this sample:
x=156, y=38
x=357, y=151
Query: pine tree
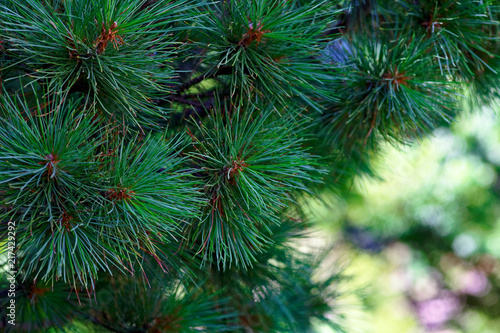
x=154, y=154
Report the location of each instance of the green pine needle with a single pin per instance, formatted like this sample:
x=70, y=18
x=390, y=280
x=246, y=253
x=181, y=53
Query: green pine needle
x=251, y=166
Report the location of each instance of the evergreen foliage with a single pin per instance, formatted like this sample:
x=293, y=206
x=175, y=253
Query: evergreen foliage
x=154, y=153
x=250, y=166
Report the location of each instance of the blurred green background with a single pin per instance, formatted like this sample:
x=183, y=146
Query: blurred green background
x=422, y=243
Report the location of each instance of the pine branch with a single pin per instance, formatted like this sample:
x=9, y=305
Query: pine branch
x=111, y=198
x=250, y=165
